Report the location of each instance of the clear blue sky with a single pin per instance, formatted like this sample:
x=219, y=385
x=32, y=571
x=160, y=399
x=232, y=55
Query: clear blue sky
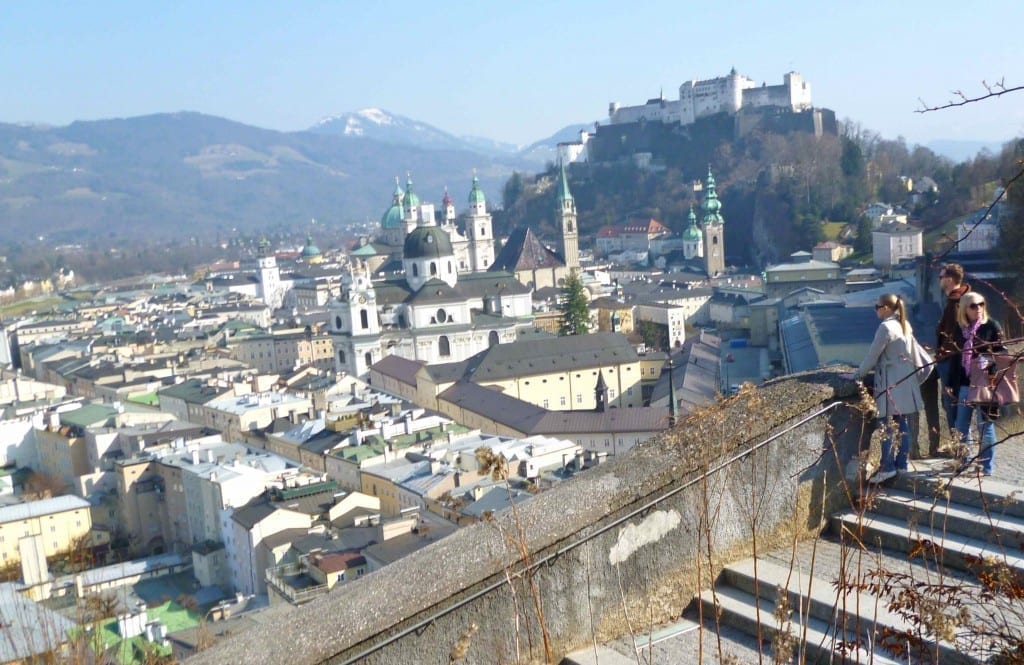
x=515, y=71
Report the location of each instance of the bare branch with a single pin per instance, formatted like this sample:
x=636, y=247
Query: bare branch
x=996, y=89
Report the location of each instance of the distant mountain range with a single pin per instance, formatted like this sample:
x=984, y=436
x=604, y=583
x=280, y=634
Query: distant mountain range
x=386, y=127
x=186, y=173
x=180, y=174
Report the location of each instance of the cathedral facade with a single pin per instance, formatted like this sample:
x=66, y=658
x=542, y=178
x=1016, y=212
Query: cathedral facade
x=447, y=304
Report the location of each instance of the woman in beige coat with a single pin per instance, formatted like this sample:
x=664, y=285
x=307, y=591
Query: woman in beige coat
x=897, y=391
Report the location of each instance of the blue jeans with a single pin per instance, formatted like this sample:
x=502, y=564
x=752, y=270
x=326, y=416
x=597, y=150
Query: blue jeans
x=986, y=429
x=947, y=395
x=895, y=461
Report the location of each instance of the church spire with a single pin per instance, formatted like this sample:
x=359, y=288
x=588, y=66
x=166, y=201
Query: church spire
x=711, y=205
x=570, y=238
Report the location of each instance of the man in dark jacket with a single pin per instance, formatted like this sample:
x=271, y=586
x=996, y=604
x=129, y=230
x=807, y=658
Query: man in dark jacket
x=951, y=279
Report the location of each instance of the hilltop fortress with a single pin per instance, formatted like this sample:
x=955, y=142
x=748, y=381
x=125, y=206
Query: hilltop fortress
x=724, y=94
x=709, y=112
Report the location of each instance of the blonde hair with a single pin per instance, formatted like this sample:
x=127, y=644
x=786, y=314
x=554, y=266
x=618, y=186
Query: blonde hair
x=895, y=303
x=966, y=300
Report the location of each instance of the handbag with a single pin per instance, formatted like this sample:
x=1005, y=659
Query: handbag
x=994, y=379
x=922, y=360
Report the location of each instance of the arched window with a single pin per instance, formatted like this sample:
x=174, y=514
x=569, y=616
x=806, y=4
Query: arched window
x=449, y=267
x=364, y=318
x=368, y=357
x=492, y=339
x=337, y=323
x=714, y=240
x=483, y=231
x=444, y=347
x=415, y=270
x=433, y=269
x=341, y=357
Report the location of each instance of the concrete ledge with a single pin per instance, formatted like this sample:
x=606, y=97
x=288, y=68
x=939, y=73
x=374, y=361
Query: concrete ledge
x=622, y=547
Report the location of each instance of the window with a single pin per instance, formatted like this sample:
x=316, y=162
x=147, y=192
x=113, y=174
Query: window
x=337, y=323
x=562, y=400
x=579, y=398
x=441, y=316
x=341, y=357
x=415, y=270
x=433, y=269
x=364, y=318
x=629, y=391
x=545, y=403
x=444, y=347
x=368, y=358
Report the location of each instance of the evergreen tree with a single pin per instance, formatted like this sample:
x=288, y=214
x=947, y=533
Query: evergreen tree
x=573, y=306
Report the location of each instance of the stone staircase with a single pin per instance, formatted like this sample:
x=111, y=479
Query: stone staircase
x=920, y=532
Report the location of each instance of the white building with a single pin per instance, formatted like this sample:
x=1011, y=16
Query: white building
x=978, y=233
x=894, y=242
x=673, y=317
x=724, y=94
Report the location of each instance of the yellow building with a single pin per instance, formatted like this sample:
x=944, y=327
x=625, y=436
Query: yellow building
x=61, y=524
x=612, y=315
x=558, y=373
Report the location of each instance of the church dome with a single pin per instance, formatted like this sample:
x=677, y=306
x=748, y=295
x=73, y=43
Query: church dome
x=310, y=251
x=476, y=195
x=427, y=242
x=392, y=217
x=692, y=233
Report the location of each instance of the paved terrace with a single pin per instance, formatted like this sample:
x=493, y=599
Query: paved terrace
x=623, y=545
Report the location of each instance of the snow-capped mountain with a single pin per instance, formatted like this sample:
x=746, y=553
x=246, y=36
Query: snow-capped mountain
x=380, y=125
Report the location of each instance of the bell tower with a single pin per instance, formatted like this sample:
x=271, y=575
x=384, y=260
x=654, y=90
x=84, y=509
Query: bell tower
x=570, y=240
x=714, y=229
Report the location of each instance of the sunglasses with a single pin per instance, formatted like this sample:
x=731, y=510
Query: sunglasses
x=976, y=305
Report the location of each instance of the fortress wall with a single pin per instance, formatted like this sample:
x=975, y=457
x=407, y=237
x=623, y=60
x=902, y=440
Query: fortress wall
x=627, y=539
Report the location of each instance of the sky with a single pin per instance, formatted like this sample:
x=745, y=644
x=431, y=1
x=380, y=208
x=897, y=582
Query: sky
x=515, y=71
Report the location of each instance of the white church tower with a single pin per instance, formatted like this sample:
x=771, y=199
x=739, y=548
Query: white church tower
x=355, y=319
x=270, y=276
x=479, y=230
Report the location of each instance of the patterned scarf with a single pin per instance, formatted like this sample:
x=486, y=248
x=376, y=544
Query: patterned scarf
x=967, y=353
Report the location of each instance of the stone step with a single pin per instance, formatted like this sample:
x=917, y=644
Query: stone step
x=935, y=516
x=902, y=535
x=816, y=640
x=996, y=497
x=859, y=615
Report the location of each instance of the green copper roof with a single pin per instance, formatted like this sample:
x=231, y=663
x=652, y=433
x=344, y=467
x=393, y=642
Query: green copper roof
x=711, y=205
x=392, y=217
x=563, y=184
x=411, y=200
x=691, y=232
x=476, y=195
x=310, y=250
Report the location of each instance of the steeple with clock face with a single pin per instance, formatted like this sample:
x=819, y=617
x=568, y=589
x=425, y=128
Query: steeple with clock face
x=357, y=309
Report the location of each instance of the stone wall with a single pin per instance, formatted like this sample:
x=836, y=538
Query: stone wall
x=615, y=549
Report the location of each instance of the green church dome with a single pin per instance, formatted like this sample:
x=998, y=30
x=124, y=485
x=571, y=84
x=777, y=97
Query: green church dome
x=692, y=232
x=476, y=195
x=310, y=250
x=392, y=218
